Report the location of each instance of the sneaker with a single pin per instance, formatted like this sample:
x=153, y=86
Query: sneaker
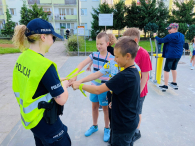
x=91, y=130
x=173, y=85
x=164, y=88
x=192, y=68
x=136, y=136
x=106, y=134
x=190, y=64
x=100, y=108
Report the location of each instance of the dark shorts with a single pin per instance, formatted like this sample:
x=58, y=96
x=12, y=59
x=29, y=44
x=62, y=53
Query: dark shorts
x=193, y=52
x=141, y=100
x=51, y=135
x=122, y=139
x=171, y=64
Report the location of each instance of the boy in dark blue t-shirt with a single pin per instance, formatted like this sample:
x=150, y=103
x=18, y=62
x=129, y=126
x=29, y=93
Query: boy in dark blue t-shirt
x=126, y=92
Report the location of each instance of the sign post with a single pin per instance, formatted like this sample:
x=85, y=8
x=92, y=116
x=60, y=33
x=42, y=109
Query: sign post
x=105, y=20
x=80, y=32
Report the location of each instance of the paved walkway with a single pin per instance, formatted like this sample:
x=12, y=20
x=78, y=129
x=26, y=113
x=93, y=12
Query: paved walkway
x=168, y=118
x=9, y=110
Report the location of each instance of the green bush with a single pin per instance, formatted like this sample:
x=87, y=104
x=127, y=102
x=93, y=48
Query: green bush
x=72, y=43
x=93, y=35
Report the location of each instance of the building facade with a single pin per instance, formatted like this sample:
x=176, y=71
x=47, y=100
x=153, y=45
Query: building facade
x=67, y=14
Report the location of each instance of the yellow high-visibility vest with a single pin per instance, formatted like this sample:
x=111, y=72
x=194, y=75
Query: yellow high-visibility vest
x=27, y=74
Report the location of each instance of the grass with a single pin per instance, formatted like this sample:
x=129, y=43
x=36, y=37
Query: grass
x=4, y=41
x=8, y=50
x=91, y=46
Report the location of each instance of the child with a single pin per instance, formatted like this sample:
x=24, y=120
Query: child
x=192, y=53
x=112, y=41
x=142, y=59
x=126, y=90
x=99, y=60
x=111, y=68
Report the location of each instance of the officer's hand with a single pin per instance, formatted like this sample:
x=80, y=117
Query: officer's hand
x=65, y=83
x=76, y=85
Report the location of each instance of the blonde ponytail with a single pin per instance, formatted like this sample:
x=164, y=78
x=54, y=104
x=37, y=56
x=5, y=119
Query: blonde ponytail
x=20, y=40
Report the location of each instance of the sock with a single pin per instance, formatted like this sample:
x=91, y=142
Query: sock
x=137, y=131
x=95, y=126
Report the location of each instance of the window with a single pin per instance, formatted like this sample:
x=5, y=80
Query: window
x=67, y=11
x=84, y=24
x=72, y=25
x=83, y=0
x=70, y=2
x=84, y=12
x=72, y=11
x=1, y=11
x=12, y=11
x=67, y=25
x=95, y=0
x=46, y=9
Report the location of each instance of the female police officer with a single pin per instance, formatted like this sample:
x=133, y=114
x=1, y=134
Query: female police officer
x=37, y=85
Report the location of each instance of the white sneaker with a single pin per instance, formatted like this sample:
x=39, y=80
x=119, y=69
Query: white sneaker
x=192, y=68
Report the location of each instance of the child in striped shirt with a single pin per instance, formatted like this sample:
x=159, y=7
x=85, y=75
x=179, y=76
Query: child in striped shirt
x=99, y=60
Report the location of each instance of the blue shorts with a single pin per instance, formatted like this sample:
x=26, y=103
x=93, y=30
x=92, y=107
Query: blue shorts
x=193, y=52
x=101, y=98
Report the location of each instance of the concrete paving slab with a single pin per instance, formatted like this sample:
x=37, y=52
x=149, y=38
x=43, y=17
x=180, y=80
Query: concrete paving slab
x=167, y=116
x=9, y=110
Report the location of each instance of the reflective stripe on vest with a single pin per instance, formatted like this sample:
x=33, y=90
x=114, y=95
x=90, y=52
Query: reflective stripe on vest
x=17, y=94
x=25, y=123
x=34, y=105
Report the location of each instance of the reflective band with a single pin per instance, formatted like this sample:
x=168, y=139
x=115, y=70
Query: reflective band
x=34, y=105
x=17, y=94
x=21, y=102
x=25, y=123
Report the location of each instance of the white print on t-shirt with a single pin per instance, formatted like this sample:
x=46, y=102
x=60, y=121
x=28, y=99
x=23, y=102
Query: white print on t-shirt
x=55, y=86
x=59, y=134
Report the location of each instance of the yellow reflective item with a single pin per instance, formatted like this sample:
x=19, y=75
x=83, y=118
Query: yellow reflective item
x=80, y=87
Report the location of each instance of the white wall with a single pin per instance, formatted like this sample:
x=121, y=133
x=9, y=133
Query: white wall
x=17, y=4
x=88, y=4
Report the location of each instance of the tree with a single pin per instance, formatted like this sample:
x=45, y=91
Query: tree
x=24, y=14
x=119, y=16
x=102, y=9
x=29, y=14
x=183, y=28
x=183, y=13
x=9, y=25
x=190, y=33
x=133, y=17
x=151, y=28
x=161, y=19
x=148, y=12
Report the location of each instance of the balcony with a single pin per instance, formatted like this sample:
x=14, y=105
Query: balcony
x=72, y=18
x=33, y=2
x=2, y=17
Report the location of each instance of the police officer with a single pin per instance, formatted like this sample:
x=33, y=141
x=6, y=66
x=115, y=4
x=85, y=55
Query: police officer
x=37, y=85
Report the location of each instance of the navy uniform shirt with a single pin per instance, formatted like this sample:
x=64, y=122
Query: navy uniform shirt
x=50, y=83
